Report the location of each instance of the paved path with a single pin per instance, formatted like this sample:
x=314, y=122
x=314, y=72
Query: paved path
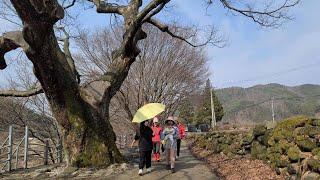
x=187, y=168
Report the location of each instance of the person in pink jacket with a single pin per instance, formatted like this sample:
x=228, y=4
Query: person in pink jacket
x=156, y=139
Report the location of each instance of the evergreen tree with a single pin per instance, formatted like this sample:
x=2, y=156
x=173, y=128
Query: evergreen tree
x=186, y=110
x=203, y=112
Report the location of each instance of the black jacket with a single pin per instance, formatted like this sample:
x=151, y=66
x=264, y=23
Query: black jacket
x=145, y=138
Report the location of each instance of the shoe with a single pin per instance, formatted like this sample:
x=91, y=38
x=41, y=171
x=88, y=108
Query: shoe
x=149, y=170
x=140, y=172
x=168, y=167
x=158, y=157
x=154, y=157
x=173, y=170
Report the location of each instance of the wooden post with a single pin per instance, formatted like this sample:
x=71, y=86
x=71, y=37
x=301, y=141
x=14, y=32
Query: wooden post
x=26, y=138
x=10, y=148
x=17, y=156
x=46, y=152
x=59, y=152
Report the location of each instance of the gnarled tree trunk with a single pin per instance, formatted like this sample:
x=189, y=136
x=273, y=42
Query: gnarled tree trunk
x=88, y=137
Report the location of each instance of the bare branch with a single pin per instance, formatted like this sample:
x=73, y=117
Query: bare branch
x=156, y=11
x=212, y=39
x=70, y=5
x=268, y=16
x=27, y=93
x=151, y=6
x=104, y=7
x=66, y=50
x=8, y=42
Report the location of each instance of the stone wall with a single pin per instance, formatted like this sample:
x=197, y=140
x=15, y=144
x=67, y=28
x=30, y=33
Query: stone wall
x=292, y=147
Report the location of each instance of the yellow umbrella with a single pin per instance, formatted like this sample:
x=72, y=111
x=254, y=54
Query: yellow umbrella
x=148, y=111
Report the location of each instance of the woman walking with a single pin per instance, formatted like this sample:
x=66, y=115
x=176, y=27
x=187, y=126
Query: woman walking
x=169, y=139
x=145, y=146
x=181, y=135
x=156, y=128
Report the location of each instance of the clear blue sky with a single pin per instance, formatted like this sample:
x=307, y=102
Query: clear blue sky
x=288, y=55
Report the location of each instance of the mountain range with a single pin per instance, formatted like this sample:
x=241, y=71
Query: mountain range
x=254, y=104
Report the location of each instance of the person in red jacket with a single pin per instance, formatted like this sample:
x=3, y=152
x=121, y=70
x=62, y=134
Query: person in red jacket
x=182, y=134
x=156, y=139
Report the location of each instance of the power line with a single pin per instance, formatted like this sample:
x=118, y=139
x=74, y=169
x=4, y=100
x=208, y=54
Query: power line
x=270, y=99
x=273, y=74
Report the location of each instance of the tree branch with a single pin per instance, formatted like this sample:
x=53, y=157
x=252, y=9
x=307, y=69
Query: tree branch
x=151, y=6
x=8, y=42
x=66, y=50
x=27, y=93
x=70, y=5
x=267, y=17
x=212, y=39
x=156, y=11
x=104, y=7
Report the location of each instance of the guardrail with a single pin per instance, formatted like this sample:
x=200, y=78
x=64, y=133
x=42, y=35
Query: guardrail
x=13, y=151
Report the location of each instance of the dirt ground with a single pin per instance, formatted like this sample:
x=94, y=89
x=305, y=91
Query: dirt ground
x=238, y=168
x=187, y=168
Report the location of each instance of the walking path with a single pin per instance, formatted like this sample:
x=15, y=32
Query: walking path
x=187, y=168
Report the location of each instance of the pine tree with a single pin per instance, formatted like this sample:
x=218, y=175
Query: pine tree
x=186, y=110
x=203, y=112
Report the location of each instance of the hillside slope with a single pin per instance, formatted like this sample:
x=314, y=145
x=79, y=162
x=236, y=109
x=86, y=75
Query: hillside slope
x=254, y=104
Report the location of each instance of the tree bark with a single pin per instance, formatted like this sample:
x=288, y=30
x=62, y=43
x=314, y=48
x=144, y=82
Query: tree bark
x=88, y=137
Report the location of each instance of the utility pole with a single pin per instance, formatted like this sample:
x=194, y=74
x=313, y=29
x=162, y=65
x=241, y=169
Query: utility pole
x=272, y=107
x=213, y=114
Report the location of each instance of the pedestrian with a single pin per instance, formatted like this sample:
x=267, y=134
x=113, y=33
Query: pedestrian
x=169, y=139
x=181, y=135
x=145, y=146
x=156, y=128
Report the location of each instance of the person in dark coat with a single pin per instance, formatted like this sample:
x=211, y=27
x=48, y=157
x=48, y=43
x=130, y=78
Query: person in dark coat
x=145, y=146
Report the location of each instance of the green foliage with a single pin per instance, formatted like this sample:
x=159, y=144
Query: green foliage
x=203, y=112
x=314, y=165
x=258, y=151
x=294, y=154
x=186, y=110
x=307, y=144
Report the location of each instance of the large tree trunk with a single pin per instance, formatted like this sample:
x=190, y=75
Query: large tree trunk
x=88, y=137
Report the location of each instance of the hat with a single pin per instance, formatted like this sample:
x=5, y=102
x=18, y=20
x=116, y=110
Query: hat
x=170, y=118
x=155, y=120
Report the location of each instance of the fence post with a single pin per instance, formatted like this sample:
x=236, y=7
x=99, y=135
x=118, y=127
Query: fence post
x=125, y=141
x=46, y=150
x=59, y=152
x=10, y=148
x=26, y=139
x=17, y=156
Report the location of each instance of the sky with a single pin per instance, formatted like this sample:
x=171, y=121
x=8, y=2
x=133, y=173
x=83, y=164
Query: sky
x=287, y=55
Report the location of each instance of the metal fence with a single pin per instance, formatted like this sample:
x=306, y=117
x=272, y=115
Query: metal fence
x=26, y=149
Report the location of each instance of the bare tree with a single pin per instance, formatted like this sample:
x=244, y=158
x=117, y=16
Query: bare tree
x=83, y=111
x=167, y=70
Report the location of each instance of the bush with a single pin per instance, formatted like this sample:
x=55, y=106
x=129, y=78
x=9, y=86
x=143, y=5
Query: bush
x=294, y=154
x=307, y=144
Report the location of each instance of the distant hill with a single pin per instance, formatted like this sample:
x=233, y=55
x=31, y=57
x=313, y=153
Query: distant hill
x=254, y=104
